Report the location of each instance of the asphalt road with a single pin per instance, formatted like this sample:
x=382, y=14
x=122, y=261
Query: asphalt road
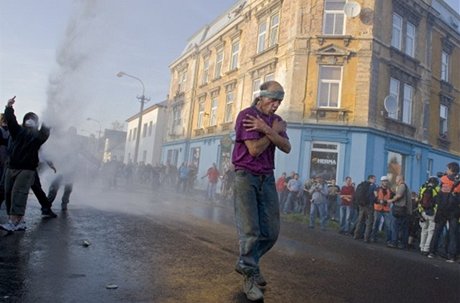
x=158, y=246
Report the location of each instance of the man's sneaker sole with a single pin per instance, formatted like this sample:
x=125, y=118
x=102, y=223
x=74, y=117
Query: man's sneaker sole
x=250, y=289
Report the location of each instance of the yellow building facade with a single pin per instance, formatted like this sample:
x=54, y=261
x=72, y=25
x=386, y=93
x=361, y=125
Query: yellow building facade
x=371, y=86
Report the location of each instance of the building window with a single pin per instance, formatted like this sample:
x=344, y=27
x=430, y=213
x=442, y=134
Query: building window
x=445, y=66
x=130, y=134
x=330, y=81
x=176, y=116
x=182, y=80
x=274, y=29
x=403, y=31
x=219, y=60
x=268, y=32
x=135, y=134
x=394, y=91
x=324, y=157
x=235, y=54
x=256, y=88
x=144, y=130
x=334, y=17
x=228, y=117
x=404, y=113
x=214, y=105
x=407, y=104
x=261, y=36
x=150, y=128
x=443, y=116
x=204, y=76
x=199, y=123
x=410, y=39
x=172, y=156
x=396, y=34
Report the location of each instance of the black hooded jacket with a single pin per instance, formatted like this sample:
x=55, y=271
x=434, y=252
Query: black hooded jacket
x=25, y=142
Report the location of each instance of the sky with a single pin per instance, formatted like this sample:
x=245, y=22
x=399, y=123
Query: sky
x=60, y=57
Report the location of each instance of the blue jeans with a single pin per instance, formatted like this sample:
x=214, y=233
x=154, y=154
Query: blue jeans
x=291, y=202
x=400, y=225
x=322, y=209
x=378, y=215
x=211, y=191
x=257, y=218
x=344, y=217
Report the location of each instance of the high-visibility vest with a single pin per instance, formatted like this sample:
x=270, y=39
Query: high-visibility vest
x=382, y=196
x=447, y=184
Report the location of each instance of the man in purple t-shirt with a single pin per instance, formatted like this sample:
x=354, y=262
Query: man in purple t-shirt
x=258, y=133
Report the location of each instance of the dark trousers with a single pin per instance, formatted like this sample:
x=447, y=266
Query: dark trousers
x=39, y=193
x=452, y=237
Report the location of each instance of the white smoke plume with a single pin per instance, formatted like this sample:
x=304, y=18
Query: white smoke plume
x=69, y=85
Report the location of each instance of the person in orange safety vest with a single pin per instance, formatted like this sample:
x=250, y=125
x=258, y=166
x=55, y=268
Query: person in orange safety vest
x=382, y=209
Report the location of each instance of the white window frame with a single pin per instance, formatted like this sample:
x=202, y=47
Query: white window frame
x=200, y=120
x=443, y=119
x=228, y=116
x=213, y=114
x=235, y=55
x=331, y=83
x=445, y=58
x=256, y=87
x=261, y=36
x=176, y=116
x=205, y=75
x=274, y=29
x=219, y=62
x=410, y=39
x=408, y=100
x=394, y=91
x=336, y=14
x=396, y=33
x=150, y=128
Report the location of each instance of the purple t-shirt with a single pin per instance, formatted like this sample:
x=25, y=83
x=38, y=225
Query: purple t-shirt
x=241, y=158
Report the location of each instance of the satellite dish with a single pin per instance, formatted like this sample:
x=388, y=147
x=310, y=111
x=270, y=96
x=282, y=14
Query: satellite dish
x=391, y=104
x=351, y=9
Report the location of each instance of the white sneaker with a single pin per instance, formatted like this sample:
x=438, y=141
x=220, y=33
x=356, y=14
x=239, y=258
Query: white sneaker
x=253, y=293
x=9, y=226
x=21, y=226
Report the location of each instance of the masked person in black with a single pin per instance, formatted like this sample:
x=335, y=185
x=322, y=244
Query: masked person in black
x=26, y=140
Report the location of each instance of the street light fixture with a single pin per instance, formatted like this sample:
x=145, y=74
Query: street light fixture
x=142, y=99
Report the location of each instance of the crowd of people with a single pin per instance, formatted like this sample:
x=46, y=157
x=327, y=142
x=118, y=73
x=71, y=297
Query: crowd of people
x=426, y=219
x=184, y=178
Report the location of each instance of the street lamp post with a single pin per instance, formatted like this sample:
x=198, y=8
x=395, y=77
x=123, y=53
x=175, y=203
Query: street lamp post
x=142, y=99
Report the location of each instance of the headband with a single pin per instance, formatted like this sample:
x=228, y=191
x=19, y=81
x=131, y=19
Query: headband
x=277, y=95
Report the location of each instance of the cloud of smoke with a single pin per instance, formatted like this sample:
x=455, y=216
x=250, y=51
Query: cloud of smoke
x=69, y=92
x=69, y=85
